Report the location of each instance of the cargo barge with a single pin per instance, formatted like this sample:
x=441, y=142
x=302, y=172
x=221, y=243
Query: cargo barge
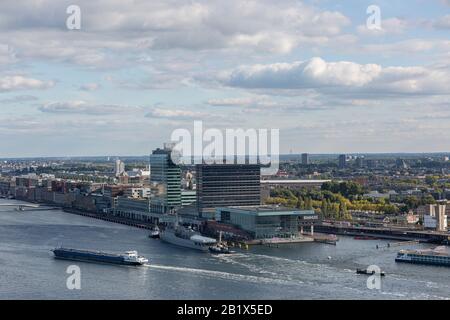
x=128, y=258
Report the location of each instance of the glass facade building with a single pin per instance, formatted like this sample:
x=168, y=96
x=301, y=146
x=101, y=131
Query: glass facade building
x=264, y=222
x=165, y=180
x=221, y=185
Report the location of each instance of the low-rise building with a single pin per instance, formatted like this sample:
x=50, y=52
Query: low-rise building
x=264, y=221
x=137, y=193
x=135, y=209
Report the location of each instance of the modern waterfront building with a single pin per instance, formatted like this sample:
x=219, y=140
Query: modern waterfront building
x=263, y=222
x=165, y=180
x=222, y=185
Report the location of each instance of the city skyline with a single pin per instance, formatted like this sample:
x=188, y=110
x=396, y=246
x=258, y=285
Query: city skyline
x=136, y=71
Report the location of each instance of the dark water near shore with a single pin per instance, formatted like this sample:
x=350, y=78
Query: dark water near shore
x=302, y=271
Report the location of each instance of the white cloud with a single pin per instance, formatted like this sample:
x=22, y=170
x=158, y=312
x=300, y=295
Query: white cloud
x=340, y=78
x=18, y=82
x=233, y=102
x=114, y=28
x=83, y=107
x=391, y=26
x=443, y=22
x=256, y=102
x=302, y=74
x=176, y=114
x=89, y=87
x=7, y=55
x=19, y=99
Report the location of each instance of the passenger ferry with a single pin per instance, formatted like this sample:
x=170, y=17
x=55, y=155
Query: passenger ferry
x=439, y=256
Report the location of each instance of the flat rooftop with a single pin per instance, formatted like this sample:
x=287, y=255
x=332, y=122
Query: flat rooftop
x=268, y=210
x=281, y=181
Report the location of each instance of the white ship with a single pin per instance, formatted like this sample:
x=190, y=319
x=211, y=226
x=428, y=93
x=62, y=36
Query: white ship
x=186, y=237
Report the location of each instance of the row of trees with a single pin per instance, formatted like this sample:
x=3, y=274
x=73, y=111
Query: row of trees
x=334, y=200
x=348, y=189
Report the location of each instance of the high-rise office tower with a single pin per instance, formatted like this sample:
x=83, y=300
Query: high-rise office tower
x=342, y=161
x=360, y=162
x=165, y=180
x=305, y=158
x=222, y=185
x=119, y=168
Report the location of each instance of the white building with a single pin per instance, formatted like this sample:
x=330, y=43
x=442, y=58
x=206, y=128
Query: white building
x=435, y=217
x=119, y=167
x=137, y=193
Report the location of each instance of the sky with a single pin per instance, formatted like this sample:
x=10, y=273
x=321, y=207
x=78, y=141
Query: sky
x=136, y=70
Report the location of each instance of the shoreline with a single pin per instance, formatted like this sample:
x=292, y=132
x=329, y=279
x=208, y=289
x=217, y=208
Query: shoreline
x=119, y=220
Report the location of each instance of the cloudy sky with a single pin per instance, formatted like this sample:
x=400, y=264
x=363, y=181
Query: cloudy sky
x=138, y=69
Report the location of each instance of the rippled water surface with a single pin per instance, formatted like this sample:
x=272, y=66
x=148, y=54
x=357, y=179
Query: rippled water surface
x=303, y=271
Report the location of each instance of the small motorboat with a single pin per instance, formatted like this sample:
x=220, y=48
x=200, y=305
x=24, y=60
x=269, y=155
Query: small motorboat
x=367, y=272
x=154, y=233
x=220, y=248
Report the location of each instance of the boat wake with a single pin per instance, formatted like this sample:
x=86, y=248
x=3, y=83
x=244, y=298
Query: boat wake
x=225, y=275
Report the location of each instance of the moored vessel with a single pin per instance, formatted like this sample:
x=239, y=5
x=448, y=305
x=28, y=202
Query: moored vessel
x=438, y=256
x=186, y=237
x=365, y=238
x=128, y=258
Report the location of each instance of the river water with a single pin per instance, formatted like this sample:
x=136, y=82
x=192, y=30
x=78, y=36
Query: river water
x=302, y=271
